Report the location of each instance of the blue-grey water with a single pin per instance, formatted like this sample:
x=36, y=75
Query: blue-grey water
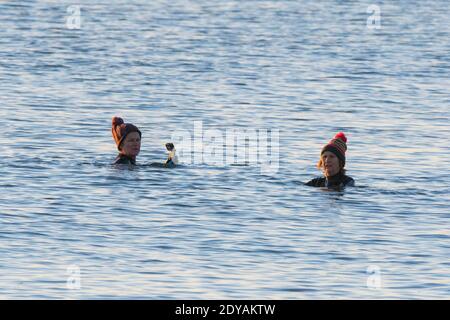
x=74, y=227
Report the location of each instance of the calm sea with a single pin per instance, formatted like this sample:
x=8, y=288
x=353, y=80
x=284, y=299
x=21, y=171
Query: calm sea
x=74, y=227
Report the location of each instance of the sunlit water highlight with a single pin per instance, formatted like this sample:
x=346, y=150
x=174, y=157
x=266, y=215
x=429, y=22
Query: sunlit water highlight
x=306, y=68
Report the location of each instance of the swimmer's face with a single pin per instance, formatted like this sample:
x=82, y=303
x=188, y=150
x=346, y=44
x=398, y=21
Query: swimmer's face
x=131, y=146
x=330, y=162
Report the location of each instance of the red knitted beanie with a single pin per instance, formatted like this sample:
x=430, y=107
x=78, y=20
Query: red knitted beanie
x=337, y=145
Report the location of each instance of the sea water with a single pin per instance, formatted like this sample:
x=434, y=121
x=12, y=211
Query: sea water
x=74, y=227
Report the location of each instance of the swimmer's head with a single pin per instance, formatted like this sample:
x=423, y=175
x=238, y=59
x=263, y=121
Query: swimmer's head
x=332, y=156
x=131, y=145
x=127, y=137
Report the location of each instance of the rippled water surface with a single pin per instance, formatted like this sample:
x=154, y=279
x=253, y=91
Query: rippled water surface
x=200, y=231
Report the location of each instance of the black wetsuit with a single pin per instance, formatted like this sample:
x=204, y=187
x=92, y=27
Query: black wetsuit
x=123, y=159
x=335, y=182
x=169, y=163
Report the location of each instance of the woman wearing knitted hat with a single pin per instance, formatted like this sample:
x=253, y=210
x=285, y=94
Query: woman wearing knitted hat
x=332, y=162
x=128, y=140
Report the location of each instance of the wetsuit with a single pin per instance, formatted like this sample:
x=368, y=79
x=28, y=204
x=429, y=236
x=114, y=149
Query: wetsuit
x=337, y=181
x=123, y=159
x=169, y=163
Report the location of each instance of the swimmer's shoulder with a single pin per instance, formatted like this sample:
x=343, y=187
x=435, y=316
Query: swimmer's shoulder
x=122, y=159
x=316, y=182
x=348, y=181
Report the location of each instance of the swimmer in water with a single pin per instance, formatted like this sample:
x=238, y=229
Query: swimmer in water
x=332, y=162
x=128, y=140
